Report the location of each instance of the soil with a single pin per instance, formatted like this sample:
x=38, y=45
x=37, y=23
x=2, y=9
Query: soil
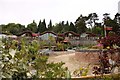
x=70, y=60
x=75, y=60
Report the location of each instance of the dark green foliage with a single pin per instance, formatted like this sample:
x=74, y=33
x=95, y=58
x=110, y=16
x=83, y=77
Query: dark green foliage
x=58, y=28
x=80, y=25
x=114, y=23
x=42, y=26
x=72, y=27
x=39, y=26
x=50, y=26
x=12, y=28
x=97, y=30
x=32, y=27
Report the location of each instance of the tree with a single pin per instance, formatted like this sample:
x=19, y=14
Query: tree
x=72, y=27
x=113, y=24
x=42, y=26
x=12, y=28
x=58, y=27
x=66, y=27
x=108, y=22
x=50, y=26
x=21, y=27
x=3, y=28
x=39, y=26
x=80, y=24
x=97, y=30
x=32, y=27
x=117, y=18
x=92, y=18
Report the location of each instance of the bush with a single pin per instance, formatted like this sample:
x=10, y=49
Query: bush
x=27, y=62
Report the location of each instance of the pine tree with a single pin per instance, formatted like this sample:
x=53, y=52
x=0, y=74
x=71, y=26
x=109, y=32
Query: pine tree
x=50, y=26
x=39, y=25
x=42, y=26
x=72, y=27
x=66, y=27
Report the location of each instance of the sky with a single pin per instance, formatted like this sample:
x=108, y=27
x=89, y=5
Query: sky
x=25, y=11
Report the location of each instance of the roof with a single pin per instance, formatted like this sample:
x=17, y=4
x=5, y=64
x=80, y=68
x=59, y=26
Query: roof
x=91, y=34
x=38, y=34
x=48, y=32
x=29, y=32
x=73, y=33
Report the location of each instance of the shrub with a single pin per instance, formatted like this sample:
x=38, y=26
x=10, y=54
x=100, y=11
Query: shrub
x=27, y=62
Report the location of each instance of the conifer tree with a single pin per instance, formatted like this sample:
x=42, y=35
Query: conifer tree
x=50, y=26
x=38, y=30
x=42, y=26
x=72, y=27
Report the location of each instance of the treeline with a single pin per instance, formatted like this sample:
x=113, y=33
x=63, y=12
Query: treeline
x=82, y=24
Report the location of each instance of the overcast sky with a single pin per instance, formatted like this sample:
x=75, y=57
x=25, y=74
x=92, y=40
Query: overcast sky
x=25, y=11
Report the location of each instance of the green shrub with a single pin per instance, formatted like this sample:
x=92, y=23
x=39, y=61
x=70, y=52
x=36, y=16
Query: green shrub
x=27, y=62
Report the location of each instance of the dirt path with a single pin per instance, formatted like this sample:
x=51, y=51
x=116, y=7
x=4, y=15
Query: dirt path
x=69, y=60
